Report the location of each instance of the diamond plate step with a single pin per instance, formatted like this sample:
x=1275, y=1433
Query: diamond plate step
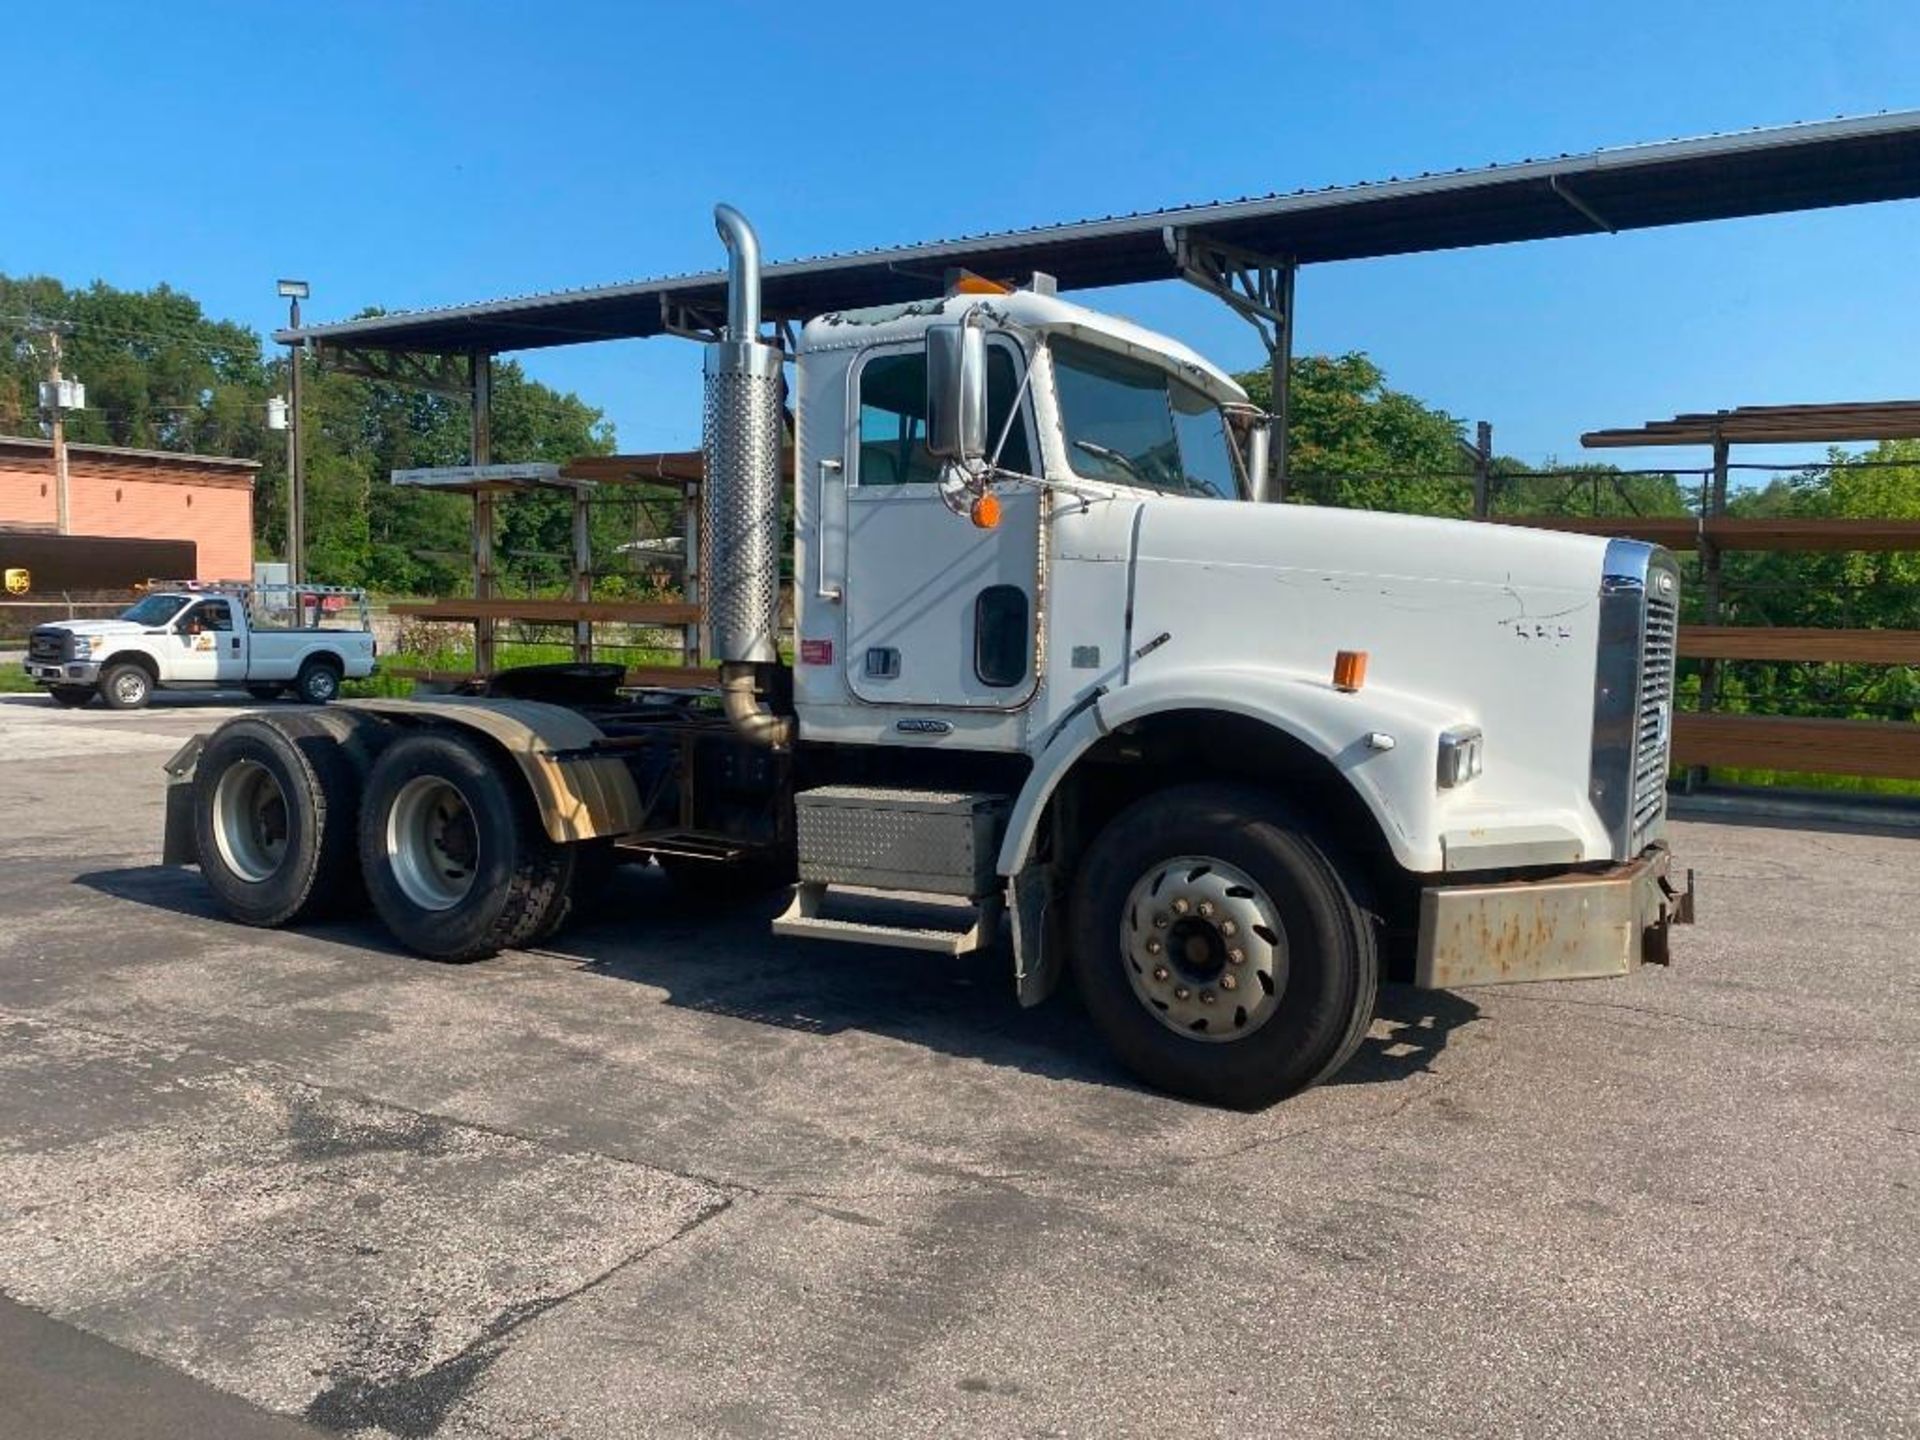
x=802, y=920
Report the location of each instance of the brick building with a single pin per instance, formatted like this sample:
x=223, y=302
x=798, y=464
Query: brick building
x=141, y=494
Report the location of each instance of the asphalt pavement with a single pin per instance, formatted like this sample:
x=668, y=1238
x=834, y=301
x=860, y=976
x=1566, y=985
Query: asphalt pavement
x=668, y=1175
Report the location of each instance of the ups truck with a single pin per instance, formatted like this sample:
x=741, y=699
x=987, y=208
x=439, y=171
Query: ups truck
x=1226, y=762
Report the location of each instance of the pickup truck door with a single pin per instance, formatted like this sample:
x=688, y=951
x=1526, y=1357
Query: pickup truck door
x=207, y=645
x=938, y=611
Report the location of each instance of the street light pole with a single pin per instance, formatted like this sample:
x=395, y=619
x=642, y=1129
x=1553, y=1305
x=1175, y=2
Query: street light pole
x=294, y=292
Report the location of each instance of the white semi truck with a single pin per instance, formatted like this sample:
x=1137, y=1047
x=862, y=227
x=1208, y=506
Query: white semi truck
x=1228, y=762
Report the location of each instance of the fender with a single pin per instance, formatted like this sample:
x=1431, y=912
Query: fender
x=581, y=797
x=1395, y=784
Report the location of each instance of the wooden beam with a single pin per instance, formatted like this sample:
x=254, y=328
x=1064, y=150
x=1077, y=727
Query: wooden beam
x=659, y=612
x=1830, y=647
x=1883, y=749
x=674, y=677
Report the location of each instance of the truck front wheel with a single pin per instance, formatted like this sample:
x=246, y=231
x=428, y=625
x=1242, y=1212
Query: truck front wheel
x=454, y=857
x=126, y=686
x=1218, y=947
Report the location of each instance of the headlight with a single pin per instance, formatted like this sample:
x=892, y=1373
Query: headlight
x=82, y=646
x=1459, y=755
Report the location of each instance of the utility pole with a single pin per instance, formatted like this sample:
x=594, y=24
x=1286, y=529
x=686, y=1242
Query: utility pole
x=63, y=506
x=294, y=291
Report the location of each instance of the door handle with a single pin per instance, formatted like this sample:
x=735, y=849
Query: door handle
x=821, y=589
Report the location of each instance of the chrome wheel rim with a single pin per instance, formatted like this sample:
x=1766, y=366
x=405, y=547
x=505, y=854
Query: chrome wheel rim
x=1204, y=948
x=129, y=687
x=250, y=821
x=320, y=684
x=433, y=844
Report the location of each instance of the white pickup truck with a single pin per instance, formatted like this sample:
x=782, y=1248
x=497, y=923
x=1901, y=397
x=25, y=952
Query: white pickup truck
x=265, y=639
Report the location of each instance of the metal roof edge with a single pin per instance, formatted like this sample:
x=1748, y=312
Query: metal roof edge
x=1609, y=159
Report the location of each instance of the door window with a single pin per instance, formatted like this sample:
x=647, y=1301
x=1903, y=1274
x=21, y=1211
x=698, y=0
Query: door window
x=893, y=418
x=213, y=615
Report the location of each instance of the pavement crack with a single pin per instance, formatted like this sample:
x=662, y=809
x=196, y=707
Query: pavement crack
x=415, y=1403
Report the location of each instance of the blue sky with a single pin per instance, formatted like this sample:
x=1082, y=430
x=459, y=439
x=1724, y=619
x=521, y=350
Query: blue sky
x=408, y=154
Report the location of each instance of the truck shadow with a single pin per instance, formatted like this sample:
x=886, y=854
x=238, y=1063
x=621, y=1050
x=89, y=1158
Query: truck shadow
x=717, y=958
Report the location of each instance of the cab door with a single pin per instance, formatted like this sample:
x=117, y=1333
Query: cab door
x=939, y=613
x=208, y=647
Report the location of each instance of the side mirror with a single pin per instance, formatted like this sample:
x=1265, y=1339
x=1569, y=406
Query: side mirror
x=957, y=393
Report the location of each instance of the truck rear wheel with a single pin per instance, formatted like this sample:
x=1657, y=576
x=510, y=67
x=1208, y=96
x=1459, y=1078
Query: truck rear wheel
x=318, y=682
x=126, y=686
x=1219, y=949
x=273, y=820
x=453, y=854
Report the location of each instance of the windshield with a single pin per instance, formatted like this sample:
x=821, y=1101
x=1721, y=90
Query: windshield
x=1133, y=424
x=154, y=610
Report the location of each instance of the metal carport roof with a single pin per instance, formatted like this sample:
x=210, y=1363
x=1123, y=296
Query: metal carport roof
x=1796, y=167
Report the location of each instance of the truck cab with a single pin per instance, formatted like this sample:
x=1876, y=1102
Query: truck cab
x=1052, y=663
x=266, y=640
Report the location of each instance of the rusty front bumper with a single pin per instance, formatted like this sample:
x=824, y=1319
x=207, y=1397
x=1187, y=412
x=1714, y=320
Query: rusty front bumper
x=1578, y=926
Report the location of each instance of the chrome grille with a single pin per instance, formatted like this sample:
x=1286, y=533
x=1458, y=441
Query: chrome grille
x=1654, y=719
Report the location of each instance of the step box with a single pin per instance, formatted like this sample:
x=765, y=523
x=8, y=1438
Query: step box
x=938, y=842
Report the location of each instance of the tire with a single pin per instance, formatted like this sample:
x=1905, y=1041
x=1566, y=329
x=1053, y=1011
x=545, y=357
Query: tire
x=1206, y=873
x=318, y=682
x=264, y=692
x=589, y=865
x=73, y=697
x=273, y=817
x=126, y=686
x=452, y=852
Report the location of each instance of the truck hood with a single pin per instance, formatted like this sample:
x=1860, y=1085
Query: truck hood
x=1464, y=622
x=98, y=627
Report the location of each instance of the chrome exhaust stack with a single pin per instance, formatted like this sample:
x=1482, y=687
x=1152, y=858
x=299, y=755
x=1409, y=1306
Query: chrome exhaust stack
x=740, y=499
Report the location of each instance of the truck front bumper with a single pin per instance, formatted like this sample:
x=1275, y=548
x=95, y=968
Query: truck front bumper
x=1578, y=926
x=66, y=672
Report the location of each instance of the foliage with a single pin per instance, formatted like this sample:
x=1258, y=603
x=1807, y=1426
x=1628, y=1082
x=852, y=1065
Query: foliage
x=161, y=375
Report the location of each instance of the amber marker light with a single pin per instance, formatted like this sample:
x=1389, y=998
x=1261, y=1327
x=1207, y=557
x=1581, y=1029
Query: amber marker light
x=1349, y=670
x=985, y=512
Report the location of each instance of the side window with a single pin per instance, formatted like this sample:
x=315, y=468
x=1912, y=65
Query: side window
x=893, y=418
x=214, y=615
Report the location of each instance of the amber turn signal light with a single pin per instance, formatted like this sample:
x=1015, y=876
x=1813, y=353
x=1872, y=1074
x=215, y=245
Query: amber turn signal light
x=985, y=511
x=1349, y=670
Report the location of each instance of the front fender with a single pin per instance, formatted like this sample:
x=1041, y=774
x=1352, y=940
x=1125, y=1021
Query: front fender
x=1396, y=784
x=584, y=797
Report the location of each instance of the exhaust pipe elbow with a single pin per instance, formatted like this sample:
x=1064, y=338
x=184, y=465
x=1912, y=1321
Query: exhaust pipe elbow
x=743, y=272
x=751, y=720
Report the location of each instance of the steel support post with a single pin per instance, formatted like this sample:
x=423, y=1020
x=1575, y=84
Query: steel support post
x=480, y=446
x=1259, y=289
x=582, y=574
x=1710, y=606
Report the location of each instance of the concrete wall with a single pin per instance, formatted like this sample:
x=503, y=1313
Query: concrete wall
x=207, y=500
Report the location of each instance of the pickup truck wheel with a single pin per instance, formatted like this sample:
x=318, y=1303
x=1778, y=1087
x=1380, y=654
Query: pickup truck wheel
x=126, y=686
x=318, y=682
x=453, y=854
x=71, y=696
x=1219, y=949
x=273, y=820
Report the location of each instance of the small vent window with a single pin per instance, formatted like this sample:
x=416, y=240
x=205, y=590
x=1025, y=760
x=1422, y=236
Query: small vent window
x=1000, y=627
